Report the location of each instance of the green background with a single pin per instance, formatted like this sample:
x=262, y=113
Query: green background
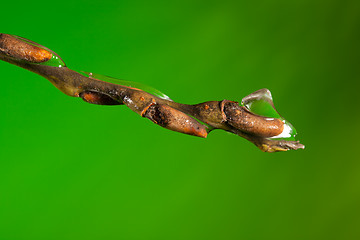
x=72, y=170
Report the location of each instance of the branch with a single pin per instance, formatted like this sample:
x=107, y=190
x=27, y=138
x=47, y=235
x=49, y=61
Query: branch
x=269, y=132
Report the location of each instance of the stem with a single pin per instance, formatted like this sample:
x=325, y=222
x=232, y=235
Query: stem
x=226, y=115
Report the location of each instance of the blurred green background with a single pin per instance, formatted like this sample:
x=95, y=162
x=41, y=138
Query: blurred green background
x=72, y=170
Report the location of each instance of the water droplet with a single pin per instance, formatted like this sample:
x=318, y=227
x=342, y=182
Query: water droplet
x=261, y=103
x=131, y=84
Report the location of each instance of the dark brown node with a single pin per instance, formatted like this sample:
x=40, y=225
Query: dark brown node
x=155, y=113
x=20, y=50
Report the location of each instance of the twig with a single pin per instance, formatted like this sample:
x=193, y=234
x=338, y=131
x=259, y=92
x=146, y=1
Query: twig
x=197, y=120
